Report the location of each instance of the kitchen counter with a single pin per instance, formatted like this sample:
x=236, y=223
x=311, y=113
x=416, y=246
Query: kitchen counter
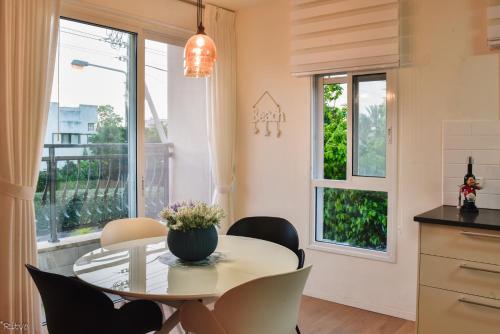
x=487, y=219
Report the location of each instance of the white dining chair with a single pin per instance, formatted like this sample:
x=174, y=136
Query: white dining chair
x=268, y=305
x=128, y=229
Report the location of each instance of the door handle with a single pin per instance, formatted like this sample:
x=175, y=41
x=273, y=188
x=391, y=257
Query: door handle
x=480, y=235
x=469, y=267
x=468, y=301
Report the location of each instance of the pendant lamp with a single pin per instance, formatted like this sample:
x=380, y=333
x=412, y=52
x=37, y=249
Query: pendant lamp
x=199, y=52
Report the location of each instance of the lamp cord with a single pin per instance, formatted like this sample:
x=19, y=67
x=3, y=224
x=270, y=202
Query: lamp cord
x=199, y=17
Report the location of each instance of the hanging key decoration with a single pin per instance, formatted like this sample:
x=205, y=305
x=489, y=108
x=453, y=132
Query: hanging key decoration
x=267, y=110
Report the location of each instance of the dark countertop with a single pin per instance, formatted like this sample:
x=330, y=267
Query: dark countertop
x=449, y=215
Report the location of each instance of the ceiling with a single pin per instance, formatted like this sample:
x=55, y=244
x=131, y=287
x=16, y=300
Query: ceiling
x=235, y=4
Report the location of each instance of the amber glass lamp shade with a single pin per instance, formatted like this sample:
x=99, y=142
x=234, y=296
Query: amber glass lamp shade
x=199, y=56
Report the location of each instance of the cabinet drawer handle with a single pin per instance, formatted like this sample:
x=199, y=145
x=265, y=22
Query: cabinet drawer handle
x=467, y=301
x=466, y=266
x=481, y=235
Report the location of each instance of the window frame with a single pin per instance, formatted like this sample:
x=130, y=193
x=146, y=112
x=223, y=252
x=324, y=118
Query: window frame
x=386, y=184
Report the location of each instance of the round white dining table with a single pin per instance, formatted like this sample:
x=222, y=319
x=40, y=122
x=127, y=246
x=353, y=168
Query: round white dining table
x=145, y=269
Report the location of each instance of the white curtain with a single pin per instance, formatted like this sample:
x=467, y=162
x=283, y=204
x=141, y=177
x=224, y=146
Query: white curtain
x=28, y=40
x=221, y=98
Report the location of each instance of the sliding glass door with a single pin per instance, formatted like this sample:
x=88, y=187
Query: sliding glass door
x=158, y=151
x=108, y=155
x=88, y=170
x=176, y=163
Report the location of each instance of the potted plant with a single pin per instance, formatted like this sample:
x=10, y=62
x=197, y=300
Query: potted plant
x=192, y=235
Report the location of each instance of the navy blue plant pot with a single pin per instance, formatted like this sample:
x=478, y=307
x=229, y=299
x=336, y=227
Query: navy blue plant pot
x=194, y=245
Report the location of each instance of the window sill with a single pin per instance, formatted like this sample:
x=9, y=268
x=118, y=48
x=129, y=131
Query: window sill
x=68, y=242
x=353, y=251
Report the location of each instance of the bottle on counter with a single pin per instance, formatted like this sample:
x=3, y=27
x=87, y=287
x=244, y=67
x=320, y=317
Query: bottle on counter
x=468, y=191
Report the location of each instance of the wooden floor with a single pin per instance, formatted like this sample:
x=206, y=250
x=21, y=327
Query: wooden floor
x=322, y=317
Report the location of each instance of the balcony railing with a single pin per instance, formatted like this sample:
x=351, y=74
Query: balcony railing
x=82, y=187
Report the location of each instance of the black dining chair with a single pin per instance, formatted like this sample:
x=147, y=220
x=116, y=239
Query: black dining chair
x=73, y=306
x=273, y=229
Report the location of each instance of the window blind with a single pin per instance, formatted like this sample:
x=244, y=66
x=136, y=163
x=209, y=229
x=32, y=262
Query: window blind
x=494, y=27
x=343, y=35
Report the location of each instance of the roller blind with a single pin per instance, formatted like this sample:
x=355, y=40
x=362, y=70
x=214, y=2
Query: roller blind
x=494, y=27
x=343, y=35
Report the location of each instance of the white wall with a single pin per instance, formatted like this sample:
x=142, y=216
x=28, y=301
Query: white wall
x=187, y=131
x=447, y=73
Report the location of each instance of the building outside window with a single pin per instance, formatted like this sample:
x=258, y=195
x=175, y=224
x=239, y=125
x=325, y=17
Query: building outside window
x=67, y=120
x=353, y=185
x=66, y=138
x=91, y=127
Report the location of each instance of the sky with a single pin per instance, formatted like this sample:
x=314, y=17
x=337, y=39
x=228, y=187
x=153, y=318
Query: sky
x=98, y=86
x=370, y=93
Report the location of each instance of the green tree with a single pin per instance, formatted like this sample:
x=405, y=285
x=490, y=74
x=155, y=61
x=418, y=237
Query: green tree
x=354, y=217
x=335, y=133
x=110, y=130
x=110, y=127
x=371, y=141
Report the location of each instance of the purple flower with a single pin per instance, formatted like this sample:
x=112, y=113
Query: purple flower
x=175, y=207
x=178, y=205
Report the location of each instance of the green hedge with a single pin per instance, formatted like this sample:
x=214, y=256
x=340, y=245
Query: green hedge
x=77, y=216
x=355, y=217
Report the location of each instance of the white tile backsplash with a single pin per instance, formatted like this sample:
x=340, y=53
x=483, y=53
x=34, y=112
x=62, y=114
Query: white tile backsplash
x=491, y=187
x=450, y=198
x=483, y=128
x=481, y=140
x=472, y=142
x=451, y=184
x=454, y=170
x=488, y=171
x=482, y=157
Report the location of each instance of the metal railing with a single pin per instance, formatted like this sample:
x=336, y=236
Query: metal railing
x=81, y=187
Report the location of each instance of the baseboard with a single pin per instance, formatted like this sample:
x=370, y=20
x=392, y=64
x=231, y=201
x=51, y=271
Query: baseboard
x=361, y=304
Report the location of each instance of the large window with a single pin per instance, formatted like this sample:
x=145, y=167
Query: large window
x=87, y=175
x=100, y=140
x=353, y=165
